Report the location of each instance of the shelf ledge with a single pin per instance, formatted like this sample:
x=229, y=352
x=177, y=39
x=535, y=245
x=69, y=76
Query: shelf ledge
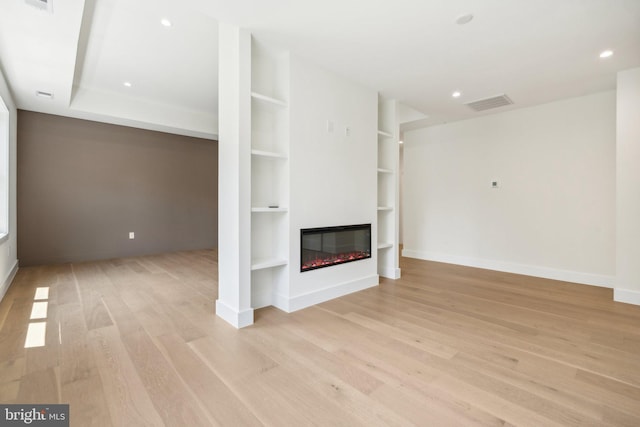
x=268, y=209
x=262, y=263
x=267, y=99
x=382, y=170
x=385, y=208
x=263, y=153
x=385, y=134
x=382, y=245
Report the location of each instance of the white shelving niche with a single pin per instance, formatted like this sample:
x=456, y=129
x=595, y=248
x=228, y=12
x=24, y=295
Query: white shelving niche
x=388, y=189
x=269, y=174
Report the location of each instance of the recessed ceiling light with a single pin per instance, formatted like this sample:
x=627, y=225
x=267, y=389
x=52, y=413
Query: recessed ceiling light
x=43, y=94
x=401, y=142
x=464, y=19
x=127, y=84
x=456, y=94
x=165, y=22
x=606, y=53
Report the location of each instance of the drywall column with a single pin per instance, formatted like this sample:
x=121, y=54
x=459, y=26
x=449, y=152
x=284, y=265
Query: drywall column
x=234, y=191
x=8, y=260
x=628, y=188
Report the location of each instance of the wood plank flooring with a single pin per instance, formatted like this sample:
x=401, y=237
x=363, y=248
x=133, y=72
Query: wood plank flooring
x=135, y=342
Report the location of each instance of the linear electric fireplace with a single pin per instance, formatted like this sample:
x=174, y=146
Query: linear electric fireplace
x=327, y=246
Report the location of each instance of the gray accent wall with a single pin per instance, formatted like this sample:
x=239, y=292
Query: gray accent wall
x=83, y=186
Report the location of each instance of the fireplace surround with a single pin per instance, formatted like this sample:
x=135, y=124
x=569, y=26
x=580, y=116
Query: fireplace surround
x=328, y=246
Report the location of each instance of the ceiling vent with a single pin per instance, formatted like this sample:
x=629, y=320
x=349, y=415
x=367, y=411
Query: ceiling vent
x=46, y=5
x=489, y=103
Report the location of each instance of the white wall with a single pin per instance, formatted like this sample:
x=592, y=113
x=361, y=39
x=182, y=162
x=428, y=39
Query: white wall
x=8, y=260
x=553, y=214
x=628, y=187
x=333, y=177
x=401, y=191
x=234, y=195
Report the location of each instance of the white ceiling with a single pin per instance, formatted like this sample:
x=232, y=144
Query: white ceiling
x=535, y=51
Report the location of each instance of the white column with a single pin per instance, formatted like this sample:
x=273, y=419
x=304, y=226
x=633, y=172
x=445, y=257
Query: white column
x=234, y=181
x=628, y=188
x=396, y=191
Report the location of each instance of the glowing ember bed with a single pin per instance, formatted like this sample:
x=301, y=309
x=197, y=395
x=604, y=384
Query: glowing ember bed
x=328, y=246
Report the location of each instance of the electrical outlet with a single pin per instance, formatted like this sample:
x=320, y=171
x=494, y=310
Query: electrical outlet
x=132, y=235
x=329, y=126
x=347, y=131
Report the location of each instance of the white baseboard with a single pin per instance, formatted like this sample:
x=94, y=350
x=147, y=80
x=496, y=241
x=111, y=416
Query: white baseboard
x=626, y=295
x=4, y=287
x=390, y=273
x=238, y=319
x=601, y=280
x=299, y=302
x=281, y=302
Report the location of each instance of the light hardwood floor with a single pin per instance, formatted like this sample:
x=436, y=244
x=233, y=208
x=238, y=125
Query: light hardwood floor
x=135, y=342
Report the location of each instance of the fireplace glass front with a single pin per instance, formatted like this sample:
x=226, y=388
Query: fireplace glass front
x=327, y=246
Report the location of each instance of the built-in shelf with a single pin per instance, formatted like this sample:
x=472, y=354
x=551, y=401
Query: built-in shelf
x=262, y=263
x=388, y=171
x=268, y=100
x=268, y=209
x=273, y=154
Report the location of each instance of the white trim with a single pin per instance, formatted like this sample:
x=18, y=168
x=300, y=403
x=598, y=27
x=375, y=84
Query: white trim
x=627, y=296
x=7, y=281
x=389, y=273
x=601, y=280
x=238, y=319
x=281, y=302
x=299, y=302
x=5, y=169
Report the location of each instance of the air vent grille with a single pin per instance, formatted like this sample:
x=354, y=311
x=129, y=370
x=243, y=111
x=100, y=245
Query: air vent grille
x=489, y=103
